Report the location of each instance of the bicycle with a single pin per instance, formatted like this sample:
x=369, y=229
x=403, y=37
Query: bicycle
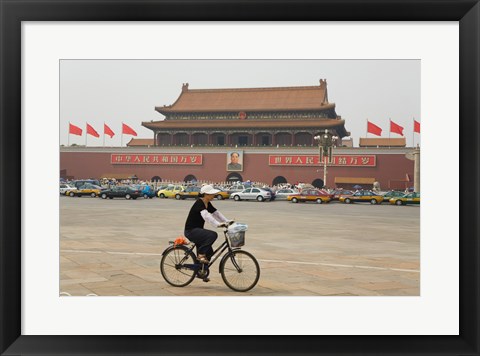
x=239, y=269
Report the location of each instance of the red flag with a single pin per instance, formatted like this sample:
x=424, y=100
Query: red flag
x=107, y=130
x=396, y=128
x=75, y=130
x=374, y=129
x=91, y=131
x=128, y=130
x=416, y=126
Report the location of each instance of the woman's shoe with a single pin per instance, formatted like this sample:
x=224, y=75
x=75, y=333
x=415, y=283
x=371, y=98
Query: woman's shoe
x=202, y=259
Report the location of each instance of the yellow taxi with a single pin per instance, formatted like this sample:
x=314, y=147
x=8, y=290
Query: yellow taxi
x=409, y=198
x=170, y=191
x=312, y=195
x=189, y=192
x=86, y=189
x=362, y=196
x=222, y=194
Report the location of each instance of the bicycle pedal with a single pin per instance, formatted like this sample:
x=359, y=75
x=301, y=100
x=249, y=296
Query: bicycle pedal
x=206, y=279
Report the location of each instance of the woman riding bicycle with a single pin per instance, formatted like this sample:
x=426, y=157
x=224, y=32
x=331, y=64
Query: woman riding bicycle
x=201, y=211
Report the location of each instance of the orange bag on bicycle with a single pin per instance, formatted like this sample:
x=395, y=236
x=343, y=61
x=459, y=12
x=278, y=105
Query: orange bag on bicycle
x=181, y=240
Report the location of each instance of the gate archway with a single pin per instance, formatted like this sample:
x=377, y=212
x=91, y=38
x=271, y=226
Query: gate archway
x=156, y=179
x=190, y=178
x=279, y=180
x=234, y=177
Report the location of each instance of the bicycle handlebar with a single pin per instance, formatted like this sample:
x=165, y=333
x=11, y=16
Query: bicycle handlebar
x=226, y=224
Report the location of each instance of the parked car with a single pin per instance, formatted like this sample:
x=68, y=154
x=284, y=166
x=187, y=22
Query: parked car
x=258, y=194
x=410, y=198
x=223, y=194
x=66, y=188
x=189, y=192
x=86, y=189
x=337, y=193
x=78, y=183
x=272, y=193
x=362, y=196
x=282, y=194
x=160, y=187
x=170, y=191
x=237, y=188
x=147, y=191
x=392, y=194
x=310, y=195
x=121, y=191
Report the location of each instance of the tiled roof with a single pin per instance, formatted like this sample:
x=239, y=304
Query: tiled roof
x=382, y=142
x=141, y=142
x=250, y=99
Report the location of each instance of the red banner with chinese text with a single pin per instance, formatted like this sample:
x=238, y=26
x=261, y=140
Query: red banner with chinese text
x=313, y=160
x=180, y=159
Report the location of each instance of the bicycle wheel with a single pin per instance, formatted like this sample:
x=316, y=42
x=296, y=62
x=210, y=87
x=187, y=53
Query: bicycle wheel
x=240, y=270
x=176, y=272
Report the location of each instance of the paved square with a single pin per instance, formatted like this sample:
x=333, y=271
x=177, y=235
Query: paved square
x=113, y=247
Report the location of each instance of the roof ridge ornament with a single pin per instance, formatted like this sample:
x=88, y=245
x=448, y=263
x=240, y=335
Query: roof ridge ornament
x=184, y=87
x=323, y=85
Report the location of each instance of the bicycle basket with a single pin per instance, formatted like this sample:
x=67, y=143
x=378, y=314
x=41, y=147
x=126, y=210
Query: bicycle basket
x=236, y=239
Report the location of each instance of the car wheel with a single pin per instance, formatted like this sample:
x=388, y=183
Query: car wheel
x=93, y=195
x=398, y=202
x=373, y=201
x=162, y=196
x=178, y=197
x=128, y=196
x=294, y=200
x=319, y=201
x=111, y=197
x=104, y=196
x=260, y=198
x=145, y=196
x=347, y=201
x=72, y=194
x=219, y=197
x=236, y=198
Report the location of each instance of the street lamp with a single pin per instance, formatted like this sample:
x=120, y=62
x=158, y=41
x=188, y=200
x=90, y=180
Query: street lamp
x=325, y=151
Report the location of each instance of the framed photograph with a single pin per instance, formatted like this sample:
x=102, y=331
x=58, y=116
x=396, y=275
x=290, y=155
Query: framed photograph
x=235, y=161
x=37, y=319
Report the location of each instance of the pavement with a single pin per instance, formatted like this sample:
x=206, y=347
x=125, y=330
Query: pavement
x=113, y=248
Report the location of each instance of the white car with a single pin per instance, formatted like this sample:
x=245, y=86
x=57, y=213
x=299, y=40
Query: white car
x=258, y=194
x=65, y=188
x=282, y=194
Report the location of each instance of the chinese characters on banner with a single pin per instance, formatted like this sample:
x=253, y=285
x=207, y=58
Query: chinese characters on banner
x=188, y=159
x=313, y=160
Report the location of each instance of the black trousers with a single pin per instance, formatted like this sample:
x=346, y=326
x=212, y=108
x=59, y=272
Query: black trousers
x=203, y=240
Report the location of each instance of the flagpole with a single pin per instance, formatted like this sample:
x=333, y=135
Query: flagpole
x=86, y=134
x=366, y=133
x=121, y=139
x=104, y=134
x=390, y=128
x=413, y=133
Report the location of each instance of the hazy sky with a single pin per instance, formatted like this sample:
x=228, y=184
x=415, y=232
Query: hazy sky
x=116, y=91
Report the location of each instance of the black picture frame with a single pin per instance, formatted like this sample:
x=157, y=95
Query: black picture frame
x=13, y=12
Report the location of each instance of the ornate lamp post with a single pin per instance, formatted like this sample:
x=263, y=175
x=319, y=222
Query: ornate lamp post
x=325, y=151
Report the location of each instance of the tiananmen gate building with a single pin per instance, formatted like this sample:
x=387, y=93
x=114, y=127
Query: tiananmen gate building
x=257, y=134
